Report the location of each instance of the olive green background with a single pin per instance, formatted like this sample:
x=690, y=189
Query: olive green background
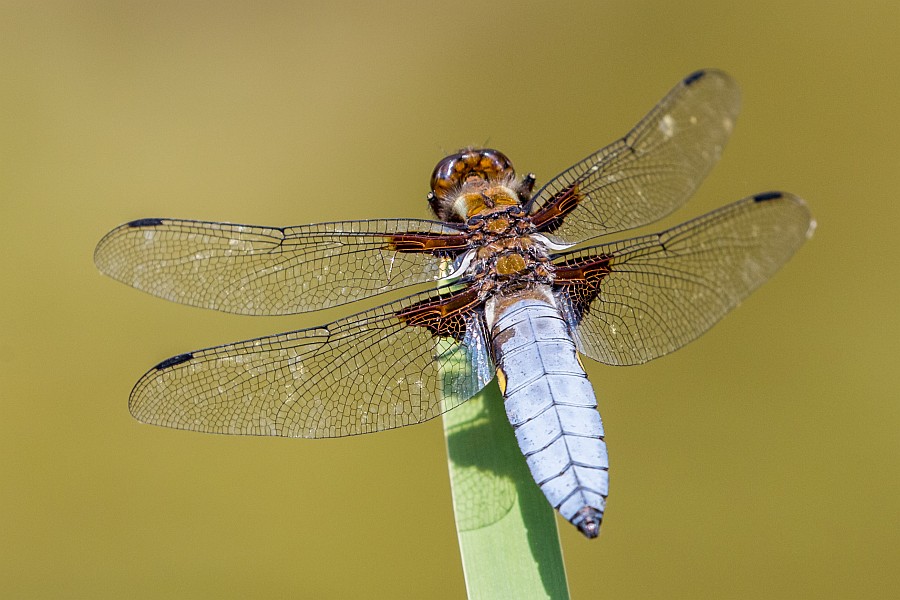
x=762, y=461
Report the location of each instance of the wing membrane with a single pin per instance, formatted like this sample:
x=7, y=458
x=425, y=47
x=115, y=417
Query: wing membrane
x=651, y=171
x=365, y=373
x=255, y=270
x=636, y=300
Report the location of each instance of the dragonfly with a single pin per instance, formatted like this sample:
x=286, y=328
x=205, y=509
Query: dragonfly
x=507, y=282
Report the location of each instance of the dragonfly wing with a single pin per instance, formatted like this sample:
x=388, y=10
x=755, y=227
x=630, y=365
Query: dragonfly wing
x=395, y=365
x=255, y=270
x=651, y=171
x=635, y=300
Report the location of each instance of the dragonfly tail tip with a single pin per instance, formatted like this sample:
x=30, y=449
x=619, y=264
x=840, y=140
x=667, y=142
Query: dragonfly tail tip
x=590, y=521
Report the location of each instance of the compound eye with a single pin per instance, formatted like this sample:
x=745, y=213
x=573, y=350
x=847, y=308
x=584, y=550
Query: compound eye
x=471, y=163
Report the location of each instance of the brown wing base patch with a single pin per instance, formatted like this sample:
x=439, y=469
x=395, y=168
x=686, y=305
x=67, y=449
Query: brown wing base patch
x=444, y=315
x=427, y=243
x=551, y=215
x=580, y=280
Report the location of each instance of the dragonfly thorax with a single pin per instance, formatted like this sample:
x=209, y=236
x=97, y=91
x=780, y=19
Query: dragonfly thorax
x=506, y=256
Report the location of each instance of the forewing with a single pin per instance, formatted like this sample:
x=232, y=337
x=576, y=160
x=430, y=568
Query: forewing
x=651, y=171
x=255, y=270
x=636, y=300
x=379, y=369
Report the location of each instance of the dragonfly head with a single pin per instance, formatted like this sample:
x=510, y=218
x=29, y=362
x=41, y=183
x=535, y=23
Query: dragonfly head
x=472, y=181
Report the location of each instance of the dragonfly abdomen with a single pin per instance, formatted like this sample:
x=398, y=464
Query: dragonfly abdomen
x=552, y=408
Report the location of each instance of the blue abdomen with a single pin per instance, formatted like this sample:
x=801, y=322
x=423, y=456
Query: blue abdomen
x=552, y=408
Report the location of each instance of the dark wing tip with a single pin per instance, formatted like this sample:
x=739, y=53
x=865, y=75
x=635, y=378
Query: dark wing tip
x=765, y=196
x=175, y=360
x=144, y=223
x=694, y=77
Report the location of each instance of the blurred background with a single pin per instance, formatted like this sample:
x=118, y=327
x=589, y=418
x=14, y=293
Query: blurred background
x=759, y=462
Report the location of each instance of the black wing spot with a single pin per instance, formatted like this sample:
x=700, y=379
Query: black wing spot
x=767, y=196
x=145, y=223
x=693, y=77
x=175, y=360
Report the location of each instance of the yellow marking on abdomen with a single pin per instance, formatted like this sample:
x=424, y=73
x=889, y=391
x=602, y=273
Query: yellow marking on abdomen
x=501, y=380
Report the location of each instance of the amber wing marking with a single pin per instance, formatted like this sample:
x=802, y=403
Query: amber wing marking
x=444, y=316
x=582, y=278
x=552, y=214
x=427, y=243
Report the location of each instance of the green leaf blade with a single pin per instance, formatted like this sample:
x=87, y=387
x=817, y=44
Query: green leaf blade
x=507, y=531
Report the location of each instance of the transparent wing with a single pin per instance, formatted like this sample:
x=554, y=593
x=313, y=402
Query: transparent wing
x=254, y=270
x=636, y=300
x=651, y=171
x=383, y=368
